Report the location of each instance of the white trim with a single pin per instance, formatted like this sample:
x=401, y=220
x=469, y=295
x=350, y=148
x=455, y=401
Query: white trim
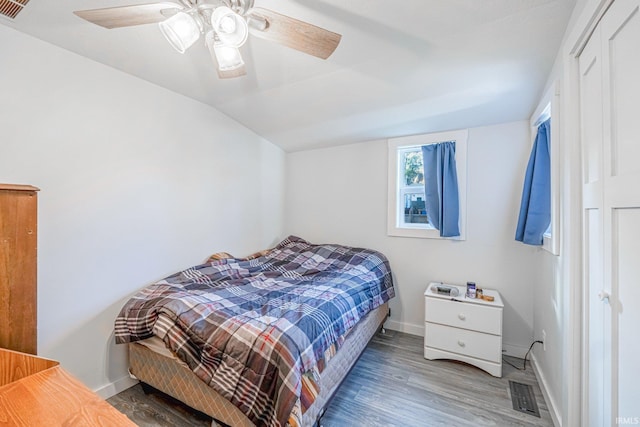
x=542, y=382
x=460, y=137
x=116, y=387
x=408, y=328
x=590, y=27
x=572, y=247
x=545, y=114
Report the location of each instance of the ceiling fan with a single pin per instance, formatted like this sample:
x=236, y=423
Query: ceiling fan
x=225, y=25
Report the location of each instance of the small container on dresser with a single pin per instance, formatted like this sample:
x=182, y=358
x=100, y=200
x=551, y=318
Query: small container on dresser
x=464, y=329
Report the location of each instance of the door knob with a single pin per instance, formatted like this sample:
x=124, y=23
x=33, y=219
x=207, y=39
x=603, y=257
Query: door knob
x=603, y=295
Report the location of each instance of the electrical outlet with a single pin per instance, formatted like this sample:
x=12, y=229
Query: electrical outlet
x=544, y=340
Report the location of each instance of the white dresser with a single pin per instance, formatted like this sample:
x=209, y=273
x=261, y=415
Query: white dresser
x=464, y=329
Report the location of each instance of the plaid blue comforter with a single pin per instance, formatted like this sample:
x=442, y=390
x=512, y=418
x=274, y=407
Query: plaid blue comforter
x=250, y=328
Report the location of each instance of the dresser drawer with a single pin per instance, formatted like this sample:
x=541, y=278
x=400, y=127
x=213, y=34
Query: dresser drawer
x=469, y=343
x=474, y=317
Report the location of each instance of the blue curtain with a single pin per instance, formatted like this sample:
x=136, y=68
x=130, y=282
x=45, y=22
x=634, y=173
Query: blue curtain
x=441, y=187
x=535, y=207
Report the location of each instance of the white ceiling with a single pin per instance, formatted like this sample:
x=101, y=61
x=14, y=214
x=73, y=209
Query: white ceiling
x=402, y=67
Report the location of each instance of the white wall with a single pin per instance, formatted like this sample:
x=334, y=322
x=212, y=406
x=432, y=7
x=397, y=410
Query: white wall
x=557, y=304
x=136, y=182
x=549, y=316
x=340, y=195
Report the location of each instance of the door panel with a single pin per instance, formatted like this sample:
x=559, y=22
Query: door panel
x=620, y=34
x=591, y=93
x=591, y=117
x=626, y=230
x=594, y=316
x=622, y=46
x=620, y=41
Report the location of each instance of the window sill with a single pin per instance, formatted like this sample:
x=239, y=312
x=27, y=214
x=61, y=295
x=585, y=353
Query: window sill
x=420, y=233
x=549, y=245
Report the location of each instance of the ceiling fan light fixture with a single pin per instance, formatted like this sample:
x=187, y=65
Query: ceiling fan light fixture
x=228, y=58
x=224, y=24
x=231, y=28
x=181, y=31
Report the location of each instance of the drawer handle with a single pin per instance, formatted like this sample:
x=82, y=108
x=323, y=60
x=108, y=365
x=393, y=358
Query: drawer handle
x=461, y=343
x=462, y=316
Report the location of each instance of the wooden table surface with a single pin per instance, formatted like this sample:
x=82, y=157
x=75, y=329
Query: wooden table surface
x=52, y=397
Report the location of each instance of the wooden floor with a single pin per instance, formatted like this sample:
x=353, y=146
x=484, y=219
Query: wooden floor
x=391, y=385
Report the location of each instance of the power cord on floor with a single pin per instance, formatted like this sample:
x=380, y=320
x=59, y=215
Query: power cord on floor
x=524, y=365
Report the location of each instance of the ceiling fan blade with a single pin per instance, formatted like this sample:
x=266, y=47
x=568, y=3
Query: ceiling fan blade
x=295, y=34
x=127, y=16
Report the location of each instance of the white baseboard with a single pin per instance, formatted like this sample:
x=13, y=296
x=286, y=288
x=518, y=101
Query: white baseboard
x=551, y=404
x=116, y=387
x=409, y=328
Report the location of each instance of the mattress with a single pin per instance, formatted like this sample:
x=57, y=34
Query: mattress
x=260, y=330
x=152, y=363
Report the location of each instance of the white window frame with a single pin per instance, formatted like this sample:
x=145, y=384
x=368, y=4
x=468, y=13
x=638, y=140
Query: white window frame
x=394, y=218
x=550, y=107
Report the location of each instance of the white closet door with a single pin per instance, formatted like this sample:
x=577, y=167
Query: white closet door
x=621, y=75
x=610, y=117
x=591, y=110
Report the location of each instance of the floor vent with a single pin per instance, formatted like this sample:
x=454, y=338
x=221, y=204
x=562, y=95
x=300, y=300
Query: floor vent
x=11, y=8
x=523, y=399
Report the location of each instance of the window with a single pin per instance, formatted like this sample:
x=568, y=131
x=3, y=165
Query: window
x=407, y=215
x=545, y=115
x=411, y=189
x=549, y=108
x=534, y=215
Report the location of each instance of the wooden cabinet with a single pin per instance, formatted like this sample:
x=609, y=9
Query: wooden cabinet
x=38, y=392
x=464, y=329
x=18, y=245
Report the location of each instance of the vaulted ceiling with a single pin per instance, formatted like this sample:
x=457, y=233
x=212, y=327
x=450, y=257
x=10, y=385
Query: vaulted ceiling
x=402, y=67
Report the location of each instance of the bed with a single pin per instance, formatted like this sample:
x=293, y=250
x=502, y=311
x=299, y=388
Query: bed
x=263, y=340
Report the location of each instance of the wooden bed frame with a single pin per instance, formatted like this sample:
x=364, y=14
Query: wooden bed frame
x=175, y=379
